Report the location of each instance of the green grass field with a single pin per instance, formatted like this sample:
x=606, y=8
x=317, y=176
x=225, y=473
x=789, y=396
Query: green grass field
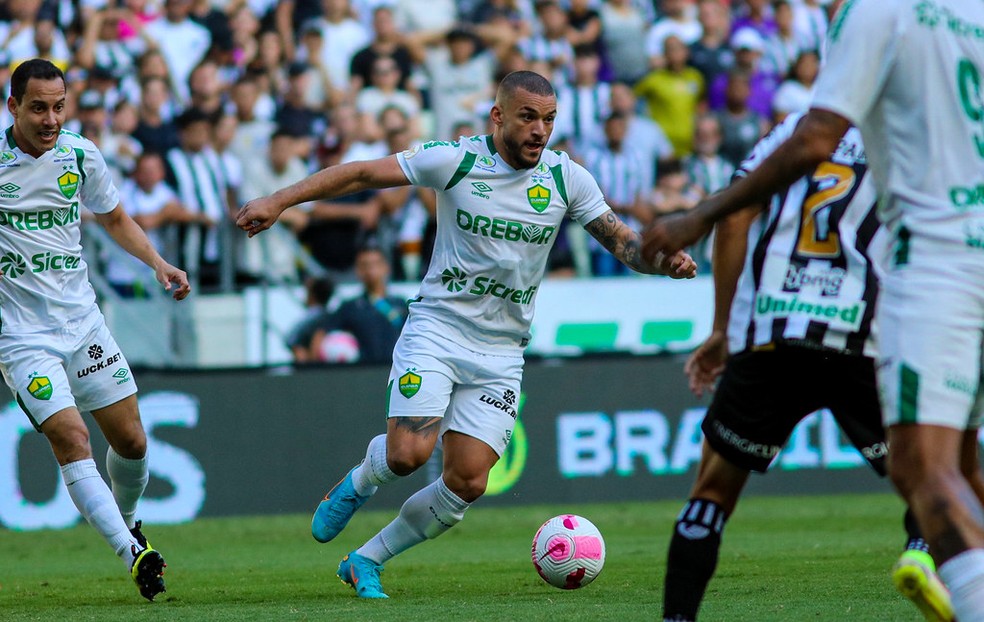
x=784, y=558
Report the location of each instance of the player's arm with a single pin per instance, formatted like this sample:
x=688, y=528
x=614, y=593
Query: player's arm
x=730, y=245
x=260, y=214
x=814, y=140
x=625, y=244
x=133, y=240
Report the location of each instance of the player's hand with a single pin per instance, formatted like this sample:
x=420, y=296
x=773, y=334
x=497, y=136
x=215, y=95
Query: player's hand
x=672, y=233
x=174, y=280
x=258, y=215
x=706, y=363
x=679, y=265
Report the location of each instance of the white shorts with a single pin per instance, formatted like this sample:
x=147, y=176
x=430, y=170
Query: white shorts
x=79, y=365
x=930, y=319
x=476, y=393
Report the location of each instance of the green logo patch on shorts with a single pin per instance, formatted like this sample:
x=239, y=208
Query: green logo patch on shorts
x=409, y=384
x=40, y=387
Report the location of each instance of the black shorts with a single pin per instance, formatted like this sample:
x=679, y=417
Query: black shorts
x=762, y=395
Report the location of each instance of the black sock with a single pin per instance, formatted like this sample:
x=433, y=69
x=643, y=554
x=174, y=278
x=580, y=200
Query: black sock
x=692, y=559
x=915, y=541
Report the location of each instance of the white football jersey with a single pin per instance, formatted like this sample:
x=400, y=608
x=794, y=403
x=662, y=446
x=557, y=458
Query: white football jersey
x=910, y=74
x=495, y=228
x=811, y=270
x=45, y=279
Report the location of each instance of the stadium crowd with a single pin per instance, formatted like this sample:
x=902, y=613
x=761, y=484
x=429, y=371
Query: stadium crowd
x=201, y=105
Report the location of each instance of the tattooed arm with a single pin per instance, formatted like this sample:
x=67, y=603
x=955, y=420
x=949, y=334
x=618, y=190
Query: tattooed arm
x=625, y=244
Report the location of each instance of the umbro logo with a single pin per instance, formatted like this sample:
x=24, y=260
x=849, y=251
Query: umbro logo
x=481, y=189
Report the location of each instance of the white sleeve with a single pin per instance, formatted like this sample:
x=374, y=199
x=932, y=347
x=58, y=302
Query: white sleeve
x=861, y=47
x=98, y=192
x=433, y=164
x=585, y=201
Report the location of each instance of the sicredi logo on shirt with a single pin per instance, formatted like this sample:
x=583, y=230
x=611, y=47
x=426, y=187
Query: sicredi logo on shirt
x=13, y=265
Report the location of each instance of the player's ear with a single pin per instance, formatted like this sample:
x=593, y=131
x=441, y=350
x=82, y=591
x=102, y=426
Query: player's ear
x=12, y=106
x=496, y=114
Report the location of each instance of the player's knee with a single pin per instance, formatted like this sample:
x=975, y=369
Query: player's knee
x=404, y=461
x=132, y=447
x=467, y=488
x=69, y=443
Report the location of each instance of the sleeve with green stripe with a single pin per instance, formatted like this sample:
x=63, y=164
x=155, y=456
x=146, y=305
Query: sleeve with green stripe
x=97, y=192
x=438, y=165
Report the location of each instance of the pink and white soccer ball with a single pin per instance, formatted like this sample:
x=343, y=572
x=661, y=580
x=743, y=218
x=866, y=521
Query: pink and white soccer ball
x=339, y=346
x=568, y=551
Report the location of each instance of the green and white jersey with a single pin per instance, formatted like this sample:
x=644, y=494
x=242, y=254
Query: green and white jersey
x=909, y=75
x=45, y=279
x=495, y=228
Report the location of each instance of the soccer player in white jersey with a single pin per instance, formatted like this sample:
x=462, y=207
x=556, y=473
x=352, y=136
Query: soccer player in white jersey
x=458, y=363
x=795, y=290
x=909, y=75
x=56, y=354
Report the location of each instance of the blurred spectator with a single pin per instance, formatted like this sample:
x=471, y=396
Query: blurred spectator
x=155, y=130
x=183, y=43
x=420, y=16
x=756, y=15
x=796, y=93
x=320, y=92
x=677, y=21
x=317, y=293
x=28, y=34
x=224, y=128
x=205, y=88
x=648, y=138
x=153, y=206
x=276, y=257
x=270, y=67
x=294, y=114
x=386, y=42
x=375, y=318
x=619, y=171
x=342, y=37
x=548, y=51
x=674, y=191
x=810, y=23
x=583, y=106
x=196, y=175
x=245, y=27
x=459, y=76
x=741, y=127
x=623, y=32
x=711, y=54
x=252, y=133
x=748, y=46
x=705, y=168
x=117, y=144
x=674, y=96
x=585, y=25
x=383, y=93
x=783, y=46
x=101, y=44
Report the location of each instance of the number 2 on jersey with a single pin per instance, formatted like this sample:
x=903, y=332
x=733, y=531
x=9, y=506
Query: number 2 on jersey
x=830, y=191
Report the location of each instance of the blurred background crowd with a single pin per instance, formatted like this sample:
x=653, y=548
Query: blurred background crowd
x=200, y=105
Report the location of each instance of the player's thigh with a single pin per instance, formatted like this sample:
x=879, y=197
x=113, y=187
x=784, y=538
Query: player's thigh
x=98, y=371
x=761, y=397
x=929, y=348
x=856, y=407
x=486, y=409
x=33, y=367
x=418, y=393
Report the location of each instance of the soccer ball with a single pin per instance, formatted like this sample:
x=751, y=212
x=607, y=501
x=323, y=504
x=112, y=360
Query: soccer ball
x=568, y=551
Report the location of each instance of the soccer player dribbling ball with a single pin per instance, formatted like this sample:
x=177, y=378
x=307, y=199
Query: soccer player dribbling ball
x=501, y=199
x=908, y=74
x=56, y=353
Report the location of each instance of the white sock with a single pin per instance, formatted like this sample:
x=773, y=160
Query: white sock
x=424, y=516
x=964, y=576
x=373, y=471
x=96, y=504
x=129, y=479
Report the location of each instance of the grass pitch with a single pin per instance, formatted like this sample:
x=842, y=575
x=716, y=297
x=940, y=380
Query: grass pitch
x=783, y=558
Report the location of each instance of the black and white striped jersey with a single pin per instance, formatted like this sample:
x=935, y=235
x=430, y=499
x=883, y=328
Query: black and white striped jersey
x=811, y=270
